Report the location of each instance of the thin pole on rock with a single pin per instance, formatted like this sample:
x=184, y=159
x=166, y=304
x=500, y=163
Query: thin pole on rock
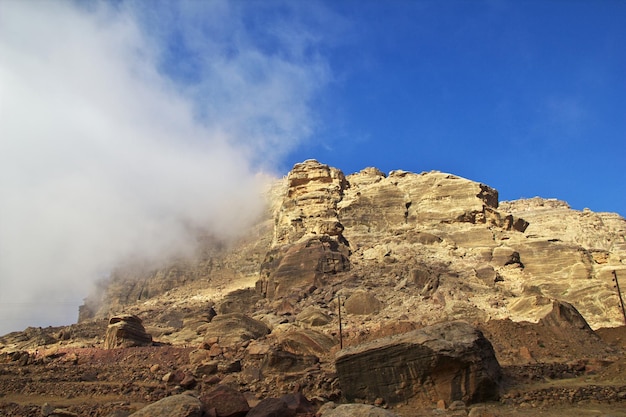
x=619, y=293
x=340, y=329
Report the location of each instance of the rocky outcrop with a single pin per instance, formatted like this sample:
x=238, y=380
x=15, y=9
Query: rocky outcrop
x=450, y=361
x=308, y=240
x=126, y=331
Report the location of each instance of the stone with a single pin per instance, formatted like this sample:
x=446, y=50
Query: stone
x=362, y=303
x=181, y=405
x=126, y=331
x=358, y=410
x=306, y=342
x=281, y=361
x=303, y=264
x=239, y=301
x=313, y=316
x=449, y=361
x=298, y=402
x=235, y=328
x=271, y=407
x=564, y=314
x=226, y=401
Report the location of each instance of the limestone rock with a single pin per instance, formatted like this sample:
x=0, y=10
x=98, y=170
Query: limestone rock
x=181, y=405
x=126, y=331
x=450, y=361
x=235, y=328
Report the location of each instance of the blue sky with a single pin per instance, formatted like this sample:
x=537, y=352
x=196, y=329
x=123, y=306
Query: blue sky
x=528, y=97
x=127, y=125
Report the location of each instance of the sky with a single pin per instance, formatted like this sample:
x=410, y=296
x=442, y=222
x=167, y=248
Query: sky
x=126, y=126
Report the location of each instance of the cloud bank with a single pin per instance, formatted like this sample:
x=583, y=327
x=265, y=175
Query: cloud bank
x=123, y=129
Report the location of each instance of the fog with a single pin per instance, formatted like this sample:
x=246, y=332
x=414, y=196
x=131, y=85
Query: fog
x=123, y=130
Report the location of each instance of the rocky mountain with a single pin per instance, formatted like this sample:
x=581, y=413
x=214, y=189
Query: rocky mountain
x=428, y=247
x=426, y=279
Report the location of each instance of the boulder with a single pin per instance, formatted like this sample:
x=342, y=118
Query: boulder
x=281, y=361
x=363, y=303
x=358, y=410
x=181, y=405
x=235, y=328
x=225, y=402
x=313, y=316
x=271, y=407
x=306, y=342
x=448, y=361
x=126, y=331
x=564, y=314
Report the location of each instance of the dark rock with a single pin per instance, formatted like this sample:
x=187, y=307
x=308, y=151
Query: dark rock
x=181, y=405
x=126, y=331
x=450, y=361
x=226, y=401
x=298, y=402
x=271, y=407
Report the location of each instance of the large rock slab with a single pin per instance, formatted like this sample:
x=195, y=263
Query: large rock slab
x=126, y=331
x=449, y=361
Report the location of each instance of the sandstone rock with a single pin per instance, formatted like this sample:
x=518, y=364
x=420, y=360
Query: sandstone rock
x=362, y=303
x=278, y=360
x=309, y=205
x=313, y=316
x=181, y=405
x=358, y=410
x=126, y=331
x=235, y=328
x=226, y=401
x=271, y=407
x=564, y=314
x=306, y=342
x=298, y=402
x=303, y=264
x=239, y=301
x=450, y=361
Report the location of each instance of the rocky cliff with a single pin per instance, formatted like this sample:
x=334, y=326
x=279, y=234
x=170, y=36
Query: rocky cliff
x=427, y=247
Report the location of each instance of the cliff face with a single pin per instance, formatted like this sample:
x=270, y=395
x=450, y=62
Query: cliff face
x=428, y=247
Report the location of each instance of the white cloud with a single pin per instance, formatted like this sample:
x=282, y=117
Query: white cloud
x=110, y=150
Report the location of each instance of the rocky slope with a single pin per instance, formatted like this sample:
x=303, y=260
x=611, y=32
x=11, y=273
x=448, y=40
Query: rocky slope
x=390, y=253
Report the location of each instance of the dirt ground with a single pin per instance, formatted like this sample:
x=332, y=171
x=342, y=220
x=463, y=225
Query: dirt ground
x=547, y=372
